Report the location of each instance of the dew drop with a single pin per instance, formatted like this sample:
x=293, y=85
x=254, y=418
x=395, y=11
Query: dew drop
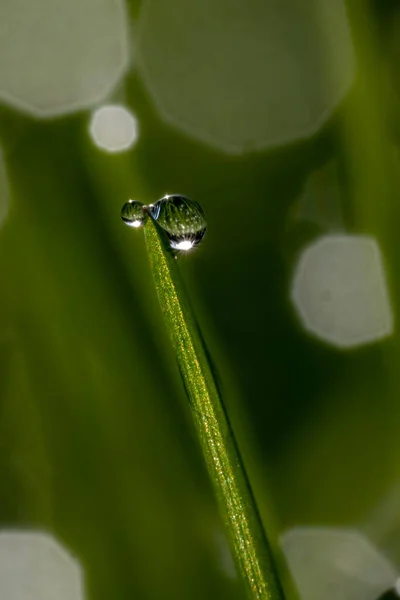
x=133, y=214
x=182, y=219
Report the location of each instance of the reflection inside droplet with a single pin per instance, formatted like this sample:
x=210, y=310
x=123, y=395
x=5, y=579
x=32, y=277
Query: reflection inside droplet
x=133, y=213
x=182, y=219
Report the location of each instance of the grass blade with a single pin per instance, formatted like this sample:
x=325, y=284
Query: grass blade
x=245, y=531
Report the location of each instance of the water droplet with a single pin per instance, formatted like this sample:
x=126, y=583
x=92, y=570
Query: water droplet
x=133, y=214
x=182, y=219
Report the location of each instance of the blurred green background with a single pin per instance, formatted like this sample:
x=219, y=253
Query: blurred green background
x=96, y=439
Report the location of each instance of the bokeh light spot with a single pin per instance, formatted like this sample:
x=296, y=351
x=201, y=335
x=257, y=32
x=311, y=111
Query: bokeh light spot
x=34, y=566
x=113, y=128
x=245, y=76
x=328, y=563
x=339, y=291
x=59, y=56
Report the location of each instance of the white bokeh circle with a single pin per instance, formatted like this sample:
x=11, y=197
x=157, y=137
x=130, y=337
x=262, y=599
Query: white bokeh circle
x=340, y=293
x=113, y=128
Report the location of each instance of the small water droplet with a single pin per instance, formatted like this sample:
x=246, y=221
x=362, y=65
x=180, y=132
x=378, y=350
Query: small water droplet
x=182, y=219
x=133, y=213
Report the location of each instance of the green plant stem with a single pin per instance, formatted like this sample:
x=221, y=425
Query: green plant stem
x=243, y=524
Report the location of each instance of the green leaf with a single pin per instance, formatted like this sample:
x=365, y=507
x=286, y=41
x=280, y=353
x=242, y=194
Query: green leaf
x=237, y=505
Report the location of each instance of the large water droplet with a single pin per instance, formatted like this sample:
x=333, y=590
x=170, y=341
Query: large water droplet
x=182, y=219
x=133, y=213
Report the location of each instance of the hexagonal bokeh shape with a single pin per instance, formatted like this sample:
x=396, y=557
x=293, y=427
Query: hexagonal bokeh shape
x=34, y=566
x=330, y=563
x=243, y=75
x=339, y=291
x=59, y=56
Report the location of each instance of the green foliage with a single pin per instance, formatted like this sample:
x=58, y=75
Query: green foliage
x=239, y=512
x=96, y=438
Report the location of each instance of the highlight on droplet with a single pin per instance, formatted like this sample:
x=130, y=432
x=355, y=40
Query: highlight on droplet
x=185, y=245
x=182, y=219
x=133, y=213
x=339, y=291
x=113, y=128
x=35, y=566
